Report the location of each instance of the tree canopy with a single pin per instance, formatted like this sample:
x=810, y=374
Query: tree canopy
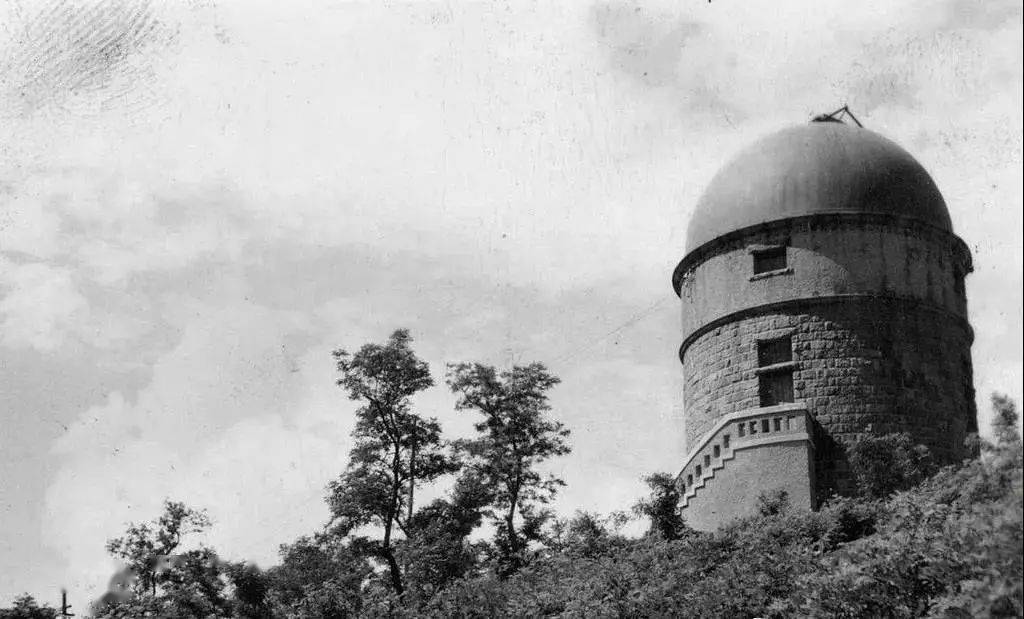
x=394, y=451
x=514, y=436
x=916, y=541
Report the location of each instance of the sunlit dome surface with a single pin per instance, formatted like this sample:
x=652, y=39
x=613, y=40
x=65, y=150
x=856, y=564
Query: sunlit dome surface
x=818, y=167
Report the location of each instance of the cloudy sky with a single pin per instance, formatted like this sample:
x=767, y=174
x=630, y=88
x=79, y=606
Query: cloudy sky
x=200, y=200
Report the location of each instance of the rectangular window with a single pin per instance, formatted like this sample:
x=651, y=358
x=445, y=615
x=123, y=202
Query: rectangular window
x=753, y=427
x=689, y=480
x=707, y=461
x=776, y=388
x=741, y=429
x=725, y=441
x=778, y=424
x=771, y=259
x=765, y=427
x=717, y=451
x=778, y=350
x=699, y=471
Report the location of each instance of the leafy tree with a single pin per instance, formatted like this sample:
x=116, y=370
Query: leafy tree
x=1004, y=425
x=884, y=464
x=26, y=607
x=319, y=577
x=250, y=597
x=514, y=437
x=662, y=507
x=439, y=550
x=148, y=547
x=167, y=583
x=587, y=534
x=395, y=449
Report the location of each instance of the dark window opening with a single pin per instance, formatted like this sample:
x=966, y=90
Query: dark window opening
x=773, y=259
x=689, y=480
x=765, y=427
x=753, y=427
x=775, y=388
x=725, y=441
x=707, y=461
x=778, y=350
x=717, y=451
x=698, y=470
x=778, y=424
x=742, y=429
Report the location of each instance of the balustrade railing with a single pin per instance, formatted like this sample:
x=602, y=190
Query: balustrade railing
x=738, y=431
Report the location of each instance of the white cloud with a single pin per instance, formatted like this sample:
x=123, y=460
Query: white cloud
x=239, y=418
x=507, y=181
x=40, y=305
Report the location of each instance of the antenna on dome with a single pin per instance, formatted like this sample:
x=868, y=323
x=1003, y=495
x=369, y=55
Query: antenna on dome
x=836, y=116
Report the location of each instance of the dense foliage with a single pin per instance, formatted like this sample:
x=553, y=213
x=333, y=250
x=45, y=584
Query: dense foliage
x=26, y=607
x=394, y=448
x=916, y=541
x=514, y=437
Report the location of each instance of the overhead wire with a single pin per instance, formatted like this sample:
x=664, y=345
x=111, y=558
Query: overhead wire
x=628, y=323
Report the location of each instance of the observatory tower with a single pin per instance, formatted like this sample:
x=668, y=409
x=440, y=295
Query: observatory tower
x=822, y=296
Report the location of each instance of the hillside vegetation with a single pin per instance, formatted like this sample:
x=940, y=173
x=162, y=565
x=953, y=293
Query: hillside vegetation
x=915, y=542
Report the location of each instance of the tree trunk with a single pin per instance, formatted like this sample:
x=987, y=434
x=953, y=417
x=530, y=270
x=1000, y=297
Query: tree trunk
x=389, y=555
x=396, y=572
x=412, y=479
x=510, y=524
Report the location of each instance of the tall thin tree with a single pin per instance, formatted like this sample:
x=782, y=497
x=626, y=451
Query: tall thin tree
x=514, y=437
x=395, y=449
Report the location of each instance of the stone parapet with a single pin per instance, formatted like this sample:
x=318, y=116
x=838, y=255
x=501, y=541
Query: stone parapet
x=748, y=429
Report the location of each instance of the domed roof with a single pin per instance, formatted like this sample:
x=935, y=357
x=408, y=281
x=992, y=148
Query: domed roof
x=819, y=167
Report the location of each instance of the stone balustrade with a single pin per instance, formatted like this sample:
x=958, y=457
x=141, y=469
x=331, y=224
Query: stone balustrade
x=736, y=432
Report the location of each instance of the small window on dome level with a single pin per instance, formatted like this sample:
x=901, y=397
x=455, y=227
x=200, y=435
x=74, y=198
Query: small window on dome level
x=771, y=259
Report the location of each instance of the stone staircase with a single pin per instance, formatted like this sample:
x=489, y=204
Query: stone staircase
x=735, y=433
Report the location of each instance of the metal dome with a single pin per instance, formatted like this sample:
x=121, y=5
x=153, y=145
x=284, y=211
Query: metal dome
x=816, y=168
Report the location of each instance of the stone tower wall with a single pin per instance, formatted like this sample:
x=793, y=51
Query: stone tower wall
x=876, y=312
x=869, y=366
x=858, y=254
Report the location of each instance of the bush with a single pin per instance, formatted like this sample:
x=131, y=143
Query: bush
x=884, y=464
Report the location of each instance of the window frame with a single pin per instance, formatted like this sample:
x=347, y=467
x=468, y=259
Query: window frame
x=775, y=367
x=771, y=259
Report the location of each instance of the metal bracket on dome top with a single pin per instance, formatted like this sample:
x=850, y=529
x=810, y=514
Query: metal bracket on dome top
x=835, y=117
